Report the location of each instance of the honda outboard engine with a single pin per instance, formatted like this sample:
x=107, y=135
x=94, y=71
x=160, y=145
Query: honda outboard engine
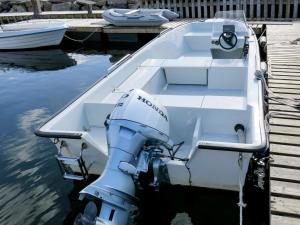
x=137, y=121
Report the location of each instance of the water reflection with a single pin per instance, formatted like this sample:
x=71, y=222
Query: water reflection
x=31, y=192
x=33, y=85
x=36, y=60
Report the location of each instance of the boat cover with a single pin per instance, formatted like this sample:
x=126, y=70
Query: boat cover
x=139, y=17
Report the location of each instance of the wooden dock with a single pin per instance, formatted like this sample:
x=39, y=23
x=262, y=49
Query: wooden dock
x=283, y=55
x=100, y=25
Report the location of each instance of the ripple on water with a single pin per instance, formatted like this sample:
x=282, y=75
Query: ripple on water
x=33, y=193
x=33, y=85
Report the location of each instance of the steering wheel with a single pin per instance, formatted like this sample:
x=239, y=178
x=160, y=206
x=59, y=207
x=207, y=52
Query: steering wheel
x=229, y=38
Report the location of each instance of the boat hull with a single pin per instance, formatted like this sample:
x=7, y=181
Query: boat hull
x=206, y=92
x=10, y=40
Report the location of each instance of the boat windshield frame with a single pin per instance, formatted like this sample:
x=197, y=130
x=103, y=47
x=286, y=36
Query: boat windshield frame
x=238, y=15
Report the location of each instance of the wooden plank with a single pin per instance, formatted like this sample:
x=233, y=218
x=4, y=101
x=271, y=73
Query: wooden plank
x=224, y=5
x=180, y=9
x=175, y=5
x=286, y=68
x=284, y=62
x=237, y=4
x=218, y=6
x=294, y=131
x=286, y=162
x=205, y=8
x=289, y=78
x=273, y=9
x=285, y=139
x=285, y=76
x=280, y=58
x=285, y=117
x=285, y=90
x=285, y=206
x=151, y=5
x=169, y=4
x=231, y=5
x=287, y=189
x=265, y=9
x=279, y=50
x=199, y=9
x=37, y=9
x=287, y=86
x=287, y=9
x=284, y=50
x=280, y=149
x=245, y=7
x=284, y=108
x=284, y=174
x=295, y=13
x=258, y=10
x=157, y=4
x=187, y=10
x=251, y=8
x=280, y=3
x=283, y=220
x=283, y=81
x=287, y=72
x=211, y=8
x=193, y=8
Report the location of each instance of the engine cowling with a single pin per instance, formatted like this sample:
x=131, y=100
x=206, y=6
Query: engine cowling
x=136, y=119
x=139, y=107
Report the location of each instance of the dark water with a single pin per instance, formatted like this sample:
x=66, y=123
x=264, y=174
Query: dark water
x=33, y=86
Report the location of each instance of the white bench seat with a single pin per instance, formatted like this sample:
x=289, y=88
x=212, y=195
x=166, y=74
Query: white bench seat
x=192, y=71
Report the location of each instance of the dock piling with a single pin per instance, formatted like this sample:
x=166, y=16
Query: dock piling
x=37, y=9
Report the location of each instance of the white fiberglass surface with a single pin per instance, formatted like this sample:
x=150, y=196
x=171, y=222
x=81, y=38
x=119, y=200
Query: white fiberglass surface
x=205, y=96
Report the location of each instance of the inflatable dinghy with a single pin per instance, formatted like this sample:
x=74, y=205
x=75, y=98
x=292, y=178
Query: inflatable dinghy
x=139, y=17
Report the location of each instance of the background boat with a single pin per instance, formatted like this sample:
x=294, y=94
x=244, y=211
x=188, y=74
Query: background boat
x=33, y=34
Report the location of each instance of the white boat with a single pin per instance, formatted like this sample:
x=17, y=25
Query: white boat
x=188, y=107
x=138, y=17
x=31, y=34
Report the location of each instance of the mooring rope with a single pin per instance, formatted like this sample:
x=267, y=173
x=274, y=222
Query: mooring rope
x=241, y=203
x=82, y=40
x=289, y=101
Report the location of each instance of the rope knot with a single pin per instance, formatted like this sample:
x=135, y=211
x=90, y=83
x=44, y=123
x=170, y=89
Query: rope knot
x=242, y=204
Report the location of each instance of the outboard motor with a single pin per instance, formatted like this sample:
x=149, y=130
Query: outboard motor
x=137, y=121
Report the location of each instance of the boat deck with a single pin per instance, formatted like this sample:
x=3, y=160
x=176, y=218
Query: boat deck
x=283, y=52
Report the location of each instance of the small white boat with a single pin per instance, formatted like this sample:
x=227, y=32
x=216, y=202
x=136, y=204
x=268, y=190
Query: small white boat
x=138, y=17
x=31, y=34
x=186, y=109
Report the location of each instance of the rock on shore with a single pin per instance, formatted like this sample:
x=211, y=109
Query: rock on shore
x=64, y=5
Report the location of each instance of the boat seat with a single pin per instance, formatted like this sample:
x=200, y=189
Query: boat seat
x=192, y=71
x=198, y=41
x=230, y=74
x=139, y=78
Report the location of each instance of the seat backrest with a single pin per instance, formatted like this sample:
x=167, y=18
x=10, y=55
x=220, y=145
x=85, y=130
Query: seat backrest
x=230, y=74
x=187, y=71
